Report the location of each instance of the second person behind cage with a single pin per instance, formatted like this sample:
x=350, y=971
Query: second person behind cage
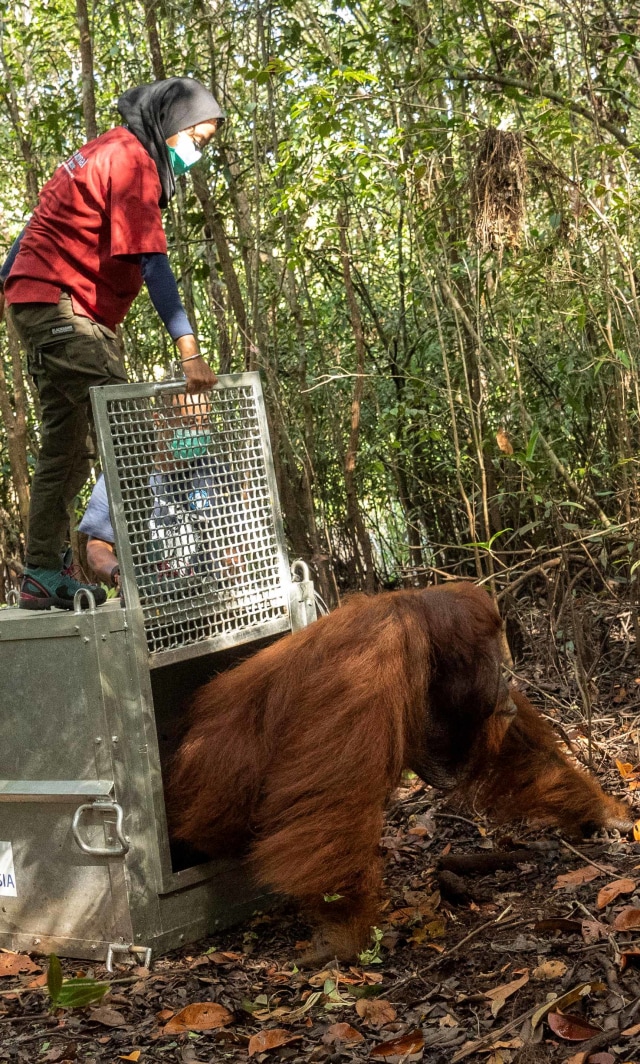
x=196, y=515
x=70, y=279
x=192, y=534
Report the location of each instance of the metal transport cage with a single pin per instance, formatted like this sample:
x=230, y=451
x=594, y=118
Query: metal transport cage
x=92, y=701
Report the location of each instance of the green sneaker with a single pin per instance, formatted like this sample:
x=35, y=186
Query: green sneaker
x=43, y=588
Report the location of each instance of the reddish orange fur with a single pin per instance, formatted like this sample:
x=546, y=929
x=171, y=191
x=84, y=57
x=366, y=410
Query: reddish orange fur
x=293, y=755
x=518, y=771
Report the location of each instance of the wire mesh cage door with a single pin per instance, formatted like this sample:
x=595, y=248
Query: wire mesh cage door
x=195, y=513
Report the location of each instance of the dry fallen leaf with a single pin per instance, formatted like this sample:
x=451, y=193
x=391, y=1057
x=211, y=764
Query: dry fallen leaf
x=375, y=1011
x=14, y=963
x=549, y=970
x=629, y=956
x=447, y=1021
x=594, y=931
x=636, y=831
x=511, y=1043
x=564, y=1000
x=613, y=890
x=601, y=1058
x=201, y=1016
x=61, y=1054
x=224, y=958
x=576, y=878
x=400, y=1048
x=577, y=1058
x=277, y=1036
x=572, y=1028
x=40, y=980
x=627, y=920
x=134, y=1055
x=498, y=996
x=629, y=1032
x=624, y=768
x=108, y=1017
x=164, y=1014
x=320, y=978
x=558, y=923
x=432, y=929
x=341, y=1032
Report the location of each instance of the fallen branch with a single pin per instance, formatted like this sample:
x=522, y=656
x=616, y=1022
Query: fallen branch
x=492, y=1036
x=483, y=863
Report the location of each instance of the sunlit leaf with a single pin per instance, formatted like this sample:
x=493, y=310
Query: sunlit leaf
x=342, y=1032
x=16, y=964
x=402, y=1048
x=265, y=1040
x=200, y=1016
x=613, y=890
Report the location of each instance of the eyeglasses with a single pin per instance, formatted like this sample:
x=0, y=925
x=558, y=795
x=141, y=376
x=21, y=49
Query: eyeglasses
x=202, y=140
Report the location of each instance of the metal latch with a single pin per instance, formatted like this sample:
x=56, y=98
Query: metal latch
x=84, y=595
x=101, y=851
x=301, y=601
x=117, y=947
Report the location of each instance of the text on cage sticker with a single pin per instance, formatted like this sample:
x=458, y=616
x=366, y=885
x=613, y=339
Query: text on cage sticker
x=7, y=871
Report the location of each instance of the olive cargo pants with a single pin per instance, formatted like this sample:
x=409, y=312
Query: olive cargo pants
x=67, y=354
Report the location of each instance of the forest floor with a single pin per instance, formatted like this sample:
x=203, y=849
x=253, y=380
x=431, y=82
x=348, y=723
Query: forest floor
x=534, y=959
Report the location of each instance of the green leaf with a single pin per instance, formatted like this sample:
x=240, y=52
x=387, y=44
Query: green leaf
x=76, y=993
x=365, y=991
x=531, y=446
x=624, y=358
x=54, y=978
x=372, y=956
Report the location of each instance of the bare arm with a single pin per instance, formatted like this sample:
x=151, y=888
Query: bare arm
x=102, y=559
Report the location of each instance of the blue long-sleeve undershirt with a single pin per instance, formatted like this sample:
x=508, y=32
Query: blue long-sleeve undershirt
x=5, y=269
x=163, y=290
x=159, y=279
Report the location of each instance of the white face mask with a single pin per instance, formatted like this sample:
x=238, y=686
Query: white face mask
x=184, y=154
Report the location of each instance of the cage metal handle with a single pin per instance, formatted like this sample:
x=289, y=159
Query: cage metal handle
x=101, y=851
x=300, y=570
x=123, y=947
x=83, y=593
x=13, y=597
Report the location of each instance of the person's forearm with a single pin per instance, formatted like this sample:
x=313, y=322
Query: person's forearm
x=165, y=297
x=163, y=291
x=102, y=559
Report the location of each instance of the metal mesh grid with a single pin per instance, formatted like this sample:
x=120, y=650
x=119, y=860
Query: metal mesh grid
x=198, y=512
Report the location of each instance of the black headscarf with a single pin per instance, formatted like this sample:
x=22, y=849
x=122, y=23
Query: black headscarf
x=157, y=111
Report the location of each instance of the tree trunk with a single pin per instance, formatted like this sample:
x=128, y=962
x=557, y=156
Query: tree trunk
x=14, y=416
x=86, y=60
x=153, y=37
x=355, y=523
x=215, y=229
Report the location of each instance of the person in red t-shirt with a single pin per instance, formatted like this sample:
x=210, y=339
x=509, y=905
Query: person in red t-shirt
x=70, y=279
